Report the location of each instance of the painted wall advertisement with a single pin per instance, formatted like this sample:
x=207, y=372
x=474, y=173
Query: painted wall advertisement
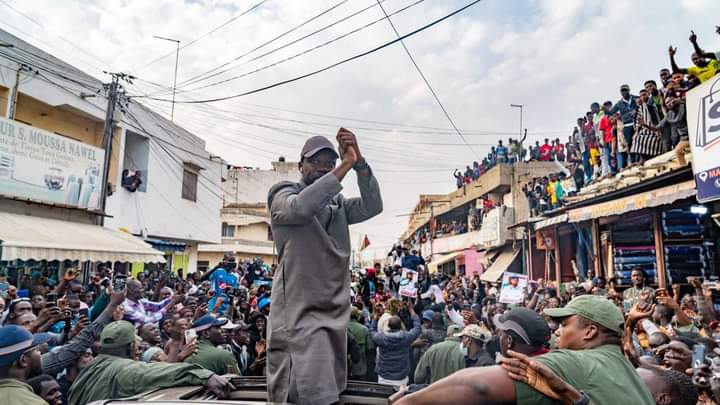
x=39, y=165
x=703, y=116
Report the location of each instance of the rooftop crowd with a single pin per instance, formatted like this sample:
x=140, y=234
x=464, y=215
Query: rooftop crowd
x=611, y=136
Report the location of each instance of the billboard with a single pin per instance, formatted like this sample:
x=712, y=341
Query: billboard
x=703, y=116
x=39, y=165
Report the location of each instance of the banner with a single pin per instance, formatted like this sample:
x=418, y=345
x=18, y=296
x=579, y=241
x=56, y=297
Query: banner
x=512, y=290
x=39, y=165
x=408, y=281
x=703, y=117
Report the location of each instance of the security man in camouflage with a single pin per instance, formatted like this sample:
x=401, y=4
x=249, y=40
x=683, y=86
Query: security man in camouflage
x=208, y=355
x=638, y=291
x=114, y=373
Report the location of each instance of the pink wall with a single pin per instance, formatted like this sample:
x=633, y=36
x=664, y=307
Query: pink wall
x=472, y=262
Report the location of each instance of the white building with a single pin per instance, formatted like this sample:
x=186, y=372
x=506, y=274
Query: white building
x=176, y=207
x=245, y=222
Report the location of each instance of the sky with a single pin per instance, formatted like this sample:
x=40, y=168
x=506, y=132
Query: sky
x=554, y=57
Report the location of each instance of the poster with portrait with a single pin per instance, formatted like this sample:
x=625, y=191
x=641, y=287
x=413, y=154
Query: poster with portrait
x=408, y=283
x=512, y=290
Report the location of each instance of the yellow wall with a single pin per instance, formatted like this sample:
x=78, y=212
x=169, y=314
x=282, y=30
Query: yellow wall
x=4, y=96
x=66, y=123
x=258, y=232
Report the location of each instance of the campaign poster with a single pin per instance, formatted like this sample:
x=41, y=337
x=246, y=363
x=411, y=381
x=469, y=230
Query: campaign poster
x=408, y=283
x=512, y=289
x=703, y=118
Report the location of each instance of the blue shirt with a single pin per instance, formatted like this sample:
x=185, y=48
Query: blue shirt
x=501, y=152
x=221, y=280
x=626, y=109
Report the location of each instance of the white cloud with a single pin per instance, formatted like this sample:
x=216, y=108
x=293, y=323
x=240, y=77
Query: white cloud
x=553, y=56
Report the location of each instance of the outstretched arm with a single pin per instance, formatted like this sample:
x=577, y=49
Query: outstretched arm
x=675, y=68
x=469, y=386
x=698, y=50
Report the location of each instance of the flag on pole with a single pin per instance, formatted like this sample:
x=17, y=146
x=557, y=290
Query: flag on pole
x=365, y=243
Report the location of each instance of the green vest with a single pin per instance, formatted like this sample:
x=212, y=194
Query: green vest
x=439, y=361
x=17, y=392
x=110, y=377
x=216, y=360
x=603, y=373
x=362, y=337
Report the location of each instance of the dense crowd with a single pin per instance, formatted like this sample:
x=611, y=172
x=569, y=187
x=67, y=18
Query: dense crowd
x=611, y=137
x=645, y=338
x=60, y=336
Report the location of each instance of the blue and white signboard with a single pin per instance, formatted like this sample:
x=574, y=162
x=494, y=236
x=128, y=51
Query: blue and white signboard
x=703, y=116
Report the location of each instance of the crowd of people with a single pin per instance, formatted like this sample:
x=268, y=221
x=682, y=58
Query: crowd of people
x=587, y=338
x=549, y=192
x=136, y=338
x=159, y=329
x=613, y=136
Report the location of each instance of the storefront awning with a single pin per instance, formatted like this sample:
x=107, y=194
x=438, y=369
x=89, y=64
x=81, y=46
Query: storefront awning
x=433, y=266
x=24, y=237
x=560, y=219
x=498, y=267
x=648, y=199
x=164, y=245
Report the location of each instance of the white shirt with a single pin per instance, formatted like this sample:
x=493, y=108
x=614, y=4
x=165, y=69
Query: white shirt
x=435, y=291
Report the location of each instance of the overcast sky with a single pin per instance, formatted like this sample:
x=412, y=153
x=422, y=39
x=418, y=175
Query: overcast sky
x=554, y=56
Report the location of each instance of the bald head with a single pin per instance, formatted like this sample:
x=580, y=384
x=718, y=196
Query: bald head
x=134, y=290
x=394, y=323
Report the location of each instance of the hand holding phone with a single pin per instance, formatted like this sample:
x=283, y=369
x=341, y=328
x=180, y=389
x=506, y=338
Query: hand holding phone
x=190, y=336
x=119, y=282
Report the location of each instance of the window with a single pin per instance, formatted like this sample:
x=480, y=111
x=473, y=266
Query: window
x=135, y=165
x=189, y=184
x=228, y=231
x=203, y=265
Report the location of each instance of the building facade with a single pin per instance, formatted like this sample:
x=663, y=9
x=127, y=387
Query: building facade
x=245, y=221
x=470, y=230
x=163, y=188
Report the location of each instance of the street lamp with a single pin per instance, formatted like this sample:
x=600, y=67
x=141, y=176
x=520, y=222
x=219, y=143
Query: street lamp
x=177, y=56
x=520, y=106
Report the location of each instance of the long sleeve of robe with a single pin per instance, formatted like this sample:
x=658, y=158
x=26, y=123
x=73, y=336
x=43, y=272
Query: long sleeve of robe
x=310, y=303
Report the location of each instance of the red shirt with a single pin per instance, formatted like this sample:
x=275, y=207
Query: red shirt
x=559, y=151
x=606, y=126
x=545, y=152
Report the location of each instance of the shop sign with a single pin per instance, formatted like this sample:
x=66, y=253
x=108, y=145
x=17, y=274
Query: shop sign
x=703, y=116
x=39, y=165
x=654, y=198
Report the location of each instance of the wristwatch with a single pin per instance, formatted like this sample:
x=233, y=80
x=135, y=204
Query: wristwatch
x=361, y=165
x=585, y=400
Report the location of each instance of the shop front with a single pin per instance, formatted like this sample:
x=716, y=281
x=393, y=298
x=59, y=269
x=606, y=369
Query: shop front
x=663, y=231
x=29, y=244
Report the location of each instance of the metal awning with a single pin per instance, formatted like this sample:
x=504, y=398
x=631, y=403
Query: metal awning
x=654, y=198
x=433, y=266
x=24, y=237
x=503, y=261
x=560, y=219
x=164, y=245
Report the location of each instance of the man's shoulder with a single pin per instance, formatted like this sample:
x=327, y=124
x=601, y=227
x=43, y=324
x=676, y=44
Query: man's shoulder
x=295, y=186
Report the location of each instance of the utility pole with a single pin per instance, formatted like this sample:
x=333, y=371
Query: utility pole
x=520, y=106
x=107, y=140
x=177, y=56
x=116, y=97
x=14, y=94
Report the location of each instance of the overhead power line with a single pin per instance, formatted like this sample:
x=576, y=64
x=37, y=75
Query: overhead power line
x=297, y=55
x=417, y=67
x=336, y=64
x=205, y=35
x=207, y=74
